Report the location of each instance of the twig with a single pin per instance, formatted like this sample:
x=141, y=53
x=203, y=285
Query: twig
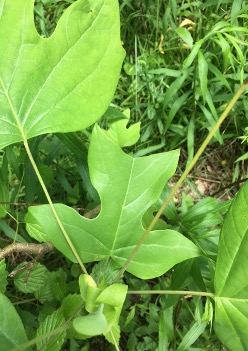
x=28, y=248
x=231, y=185
x=93, y=213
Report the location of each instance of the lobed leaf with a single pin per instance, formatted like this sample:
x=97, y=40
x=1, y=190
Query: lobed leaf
x=127, y=188
x=62, y=83
x=122, y=135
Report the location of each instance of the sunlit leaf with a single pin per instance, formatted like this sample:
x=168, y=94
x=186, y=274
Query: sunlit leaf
x=62, y=83
x=122, y=135
x=127, y=187
x=231, y=277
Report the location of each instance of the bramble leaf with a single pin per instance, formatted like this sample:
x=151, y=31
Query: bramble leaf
x=127, y=187
x=29, y=282
x=62, y=83
x=54, y=342
x=231, y=277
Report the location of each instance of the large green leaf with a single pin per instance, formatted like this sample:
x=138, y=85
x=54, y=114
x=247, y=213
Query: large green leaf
x=127, y=187
x=12, y=331
x=231, y=277
x=62, y=83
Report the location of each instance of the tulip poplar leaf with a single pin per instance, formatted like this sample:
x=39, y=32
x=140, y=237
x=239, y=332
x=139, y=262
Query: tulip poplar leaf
x=63, y=83
x=127, y=188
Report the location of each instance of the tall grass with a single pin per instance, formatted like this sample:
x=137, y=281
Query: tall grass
x=184, y=61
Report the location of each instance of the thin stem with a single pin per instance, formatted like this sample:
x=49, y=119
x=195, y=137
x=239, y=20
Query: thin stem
x=40, y=338
x=52, y=206
x=182, y=178
x=25, y=142
x=48, y=335
x=114, y=341
x=27, y=248
x=170, y=292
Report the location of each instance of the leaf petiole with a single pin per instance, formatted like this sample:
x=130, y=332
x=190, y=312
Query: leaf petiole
x=30, y=156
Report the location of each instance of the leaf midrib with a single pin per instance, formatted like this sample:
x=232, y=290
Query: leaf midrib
x=122, y=207
x=13, y=111
x=53, y=68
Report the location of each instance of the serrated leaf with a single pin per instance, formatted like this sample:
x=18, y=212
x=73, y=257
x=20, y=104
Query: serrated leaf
x=30, y=281
x=45, y=293
x=59, y=287
x=114, y=336
x=3, y=276
x=231, y=276
x=105, y=271
x=71, y=304
x=62, y=83
x=12, y=331
x=127, y=187
x=53, y=288
x=54, y=342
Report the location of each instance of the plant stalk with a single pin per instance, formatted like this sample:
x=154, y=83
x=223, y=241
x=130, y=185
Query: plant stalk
x=30, y=156
x=182, y=178
x=170, y=292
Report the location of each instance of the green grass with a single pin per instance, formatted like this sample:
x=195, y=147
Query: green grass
x=177, y=80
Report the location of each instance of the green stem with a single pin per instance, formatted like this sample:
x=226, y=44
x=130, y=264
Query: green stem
x=30, y=156
x=170, y=292
x=48, y=335
x=114, y=341
x=182, y=178
x=41, y=338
